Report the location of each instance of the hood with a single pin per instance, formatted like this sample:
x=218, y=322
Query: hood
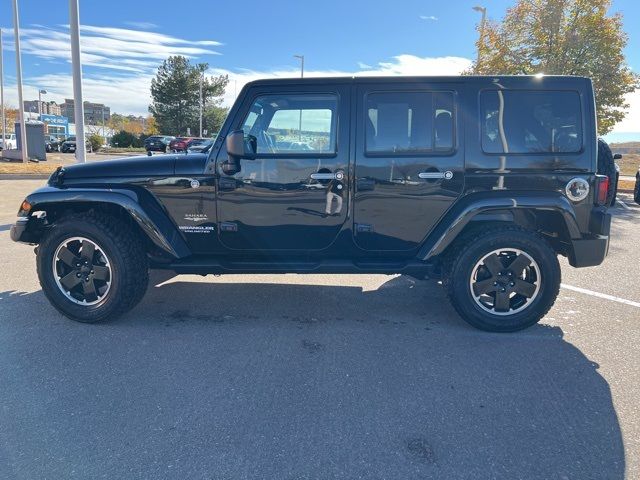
x=139, y=166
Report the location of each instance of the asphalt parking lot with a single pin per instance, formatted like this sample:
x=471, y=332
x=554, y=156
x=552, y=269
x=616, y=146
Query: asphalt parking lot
x=328, y=376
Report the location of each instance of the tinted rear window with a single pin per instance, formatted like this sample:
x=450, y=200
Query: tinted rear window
x=530, y=121
x=409, y=122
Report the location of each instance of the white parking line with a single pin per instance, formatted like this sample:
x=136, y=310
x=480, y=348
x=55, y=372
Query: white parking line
x=601, y=295
x=624, y=205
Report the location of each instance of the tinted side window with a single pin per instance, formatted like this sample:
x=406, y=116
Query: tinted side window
x=409, y=122
x=293, y=123
x=530, y=122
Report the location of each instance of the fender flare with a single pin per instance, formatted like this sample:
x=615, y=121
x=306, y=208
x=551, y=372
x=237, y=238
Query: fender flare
x=456, y=219
x=141, y=206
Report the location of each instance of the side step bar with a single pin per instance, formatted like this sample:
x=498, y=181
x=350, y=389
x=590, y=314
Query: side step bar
x=203, y=265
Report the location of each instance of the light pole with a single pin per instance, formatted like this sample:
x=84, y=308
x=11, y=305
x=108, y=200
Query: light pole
x=483, y=11
x=23, y=127
x=40, y=93
x=78, y=107
x=201, y=80
x=301, y=58
x=4, y=121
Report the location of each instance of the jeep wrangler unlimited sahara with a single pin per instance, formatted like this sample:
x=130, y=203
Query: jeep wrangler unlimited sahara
x=479, y=181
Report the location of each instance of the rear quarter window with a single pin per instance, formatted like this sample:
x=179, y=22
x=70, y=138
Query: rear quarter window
x=518, y=121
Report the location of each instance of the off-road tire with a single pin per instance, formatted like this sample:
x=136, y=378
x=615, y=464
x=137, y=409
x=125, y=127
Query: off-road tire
x=636, y=190
x=607, y=166
x=124, y=249
x=469, y=250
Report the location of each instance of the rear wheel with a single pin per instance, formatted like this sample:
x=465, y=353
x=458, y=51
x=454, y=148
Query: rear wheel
x=503, y=280
x=92, y=268
x=636, y=190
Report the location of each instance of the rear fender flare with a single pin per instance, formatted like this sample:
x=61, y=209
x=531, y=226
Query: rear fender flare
x=464, y=212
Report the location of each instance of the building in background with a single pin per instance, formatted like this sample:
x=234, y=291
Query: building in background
x=55, y=125
x=94, y=113
x=48, y=108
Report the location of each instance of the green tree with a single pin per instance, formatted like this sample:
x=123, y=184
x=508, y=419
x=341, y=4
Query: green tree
x=124, y=139
x=213, y=118
x=96, y=142
x=563, y=37
x=175, y=92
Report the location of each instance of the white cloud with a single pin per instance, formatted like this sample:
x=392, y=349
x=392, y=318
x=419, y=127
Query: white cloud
x=364, y=66
x=398, y=65
x=428, y=17
x=630, y=123
x=110, y=47
x=142, y=25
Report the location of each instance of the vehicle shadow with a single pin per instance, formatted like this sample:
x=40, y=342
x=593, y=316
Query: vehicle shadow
x=292, y=380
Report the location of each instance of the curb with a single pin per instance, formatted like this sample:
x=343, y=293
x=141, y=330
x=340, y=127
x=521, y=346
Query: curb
x=24, y=176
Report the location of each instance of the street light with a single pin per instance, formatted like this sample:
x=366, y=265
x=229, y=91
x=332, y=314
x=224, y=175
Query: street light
x=4, y=122
x=40, y=93
x=76, y=68
x=483, y=11
x=23, y=127
x=301, y=58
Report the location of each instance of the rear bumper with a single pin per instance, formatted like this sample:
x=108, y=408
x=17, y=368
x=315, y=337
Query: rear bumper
x=591, y=250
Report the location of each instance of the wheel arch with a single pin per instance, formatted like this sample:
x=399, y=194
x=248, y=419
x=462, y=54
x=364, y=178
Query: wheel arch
x=550, y=215
x=141, y=211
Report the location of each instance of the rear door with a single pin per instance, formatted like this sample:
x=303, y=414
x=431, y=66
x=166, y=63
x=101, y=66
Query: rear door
x=294, y=194
x=409, y=162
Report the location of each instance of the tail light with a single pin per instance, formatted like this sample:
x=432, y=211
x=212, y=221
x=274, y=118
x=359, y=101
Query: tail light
x=602, y=189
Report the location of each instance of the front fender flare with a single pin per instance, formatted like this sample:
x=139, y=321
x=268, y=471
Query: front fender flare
x=468, y=207
x=142, y=208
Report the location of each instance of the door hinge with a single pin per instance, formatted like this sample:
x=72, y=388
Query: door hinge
x=226, y=183
x=364, y=228
x=228, y=227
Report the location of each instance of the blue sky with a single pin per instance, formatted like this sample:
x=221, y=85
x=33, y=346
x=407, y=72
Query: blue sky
x=124, y=41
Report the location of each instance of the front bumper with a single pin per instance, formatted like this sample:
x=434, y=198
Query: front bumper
x=591, y=250
x=24, y=232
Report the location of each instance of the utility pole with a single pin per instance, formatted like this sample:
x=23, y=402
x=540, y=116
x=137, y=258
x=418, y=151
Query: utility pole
x=23, y=127
x=301, y=58
x=201, y=80
x=483, y=20
x=78, y=105
x=4, y=121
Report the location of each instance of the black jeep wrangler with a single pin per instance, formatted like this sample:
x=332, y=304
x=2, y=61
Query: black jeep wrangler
x=478, y=181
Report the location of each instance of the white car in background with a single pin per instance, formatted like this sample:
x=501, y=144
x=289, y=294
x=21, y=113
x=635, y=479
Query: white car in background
x=10, y=140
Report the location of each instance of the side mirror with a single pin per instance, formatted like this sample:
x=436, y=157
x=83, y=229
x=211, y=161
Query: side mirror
x=235, y=144
x=617, y=156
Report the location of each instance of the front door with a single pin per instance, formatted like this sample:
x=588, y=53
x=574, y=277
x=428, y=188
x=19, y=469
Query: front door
x=294, y=194
x=409, y=163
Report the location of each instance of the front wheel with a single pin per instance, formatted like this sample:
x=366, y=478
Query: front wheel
x=92, y=268
x=503, y=280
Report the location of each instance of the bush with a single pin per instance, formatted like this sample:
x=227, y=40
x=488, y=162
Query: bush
x=96, y=142
x=124, y=139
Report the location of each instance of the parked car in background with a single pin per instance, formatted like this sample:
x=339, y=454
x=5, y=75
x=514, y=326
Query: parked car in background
x=636, y=190
x=180, y=144
x=51, y=144
x=200, y=145
x=158, y=143
x=69, y=145
x=11, y=142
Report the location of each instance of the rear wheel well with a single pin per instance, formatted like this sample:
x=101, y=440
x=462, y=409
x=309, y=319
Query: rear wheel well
x=548, y=223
